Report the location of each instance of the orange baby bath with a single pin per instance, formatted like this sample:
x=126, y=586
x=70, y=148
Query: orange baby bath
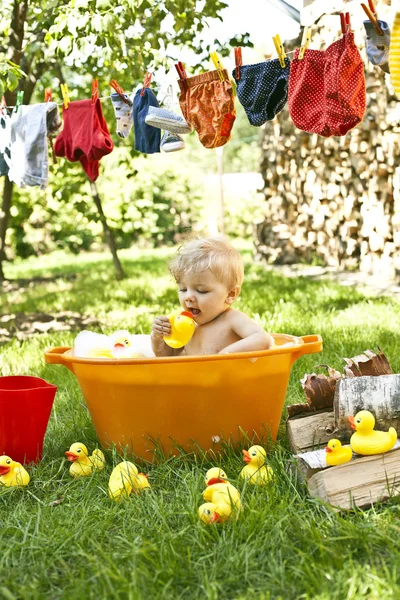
x=181, y=400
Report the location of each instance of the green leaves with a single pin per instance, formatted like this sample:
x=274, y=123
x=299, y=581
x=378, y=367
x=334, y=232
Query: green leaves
x=10, y=74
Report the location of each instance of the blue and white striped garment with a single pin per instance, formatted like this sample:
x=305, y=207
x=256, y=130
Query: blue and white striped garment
x=378, y=45
x=262, y=89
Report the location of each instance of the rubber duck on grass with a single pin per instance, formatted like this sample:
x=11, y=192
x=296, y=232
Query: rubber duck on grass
x=83, y=465
x=220, y=493
x=209, y=513
x=256, y=472
x=215, y=475
x=336, y=454
x=126, y=479
x=12, y=474
x=365, y=440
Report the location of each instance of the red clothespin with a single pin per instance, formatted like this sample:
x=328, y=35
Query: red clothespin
x=95, y=90
x=180, y=67
x=120, y=92
x=370, y=11
x=48, y=95
x=146, y=82
x=345, y=22
x=238, y=61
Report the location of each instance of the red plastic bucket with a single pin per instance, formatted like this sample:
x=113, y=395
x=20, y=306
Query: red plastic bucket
x=25, y=407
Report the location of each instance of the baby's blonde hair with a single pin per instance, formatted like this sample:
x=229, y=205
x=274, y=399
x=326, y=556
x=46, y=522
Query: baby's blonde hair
x=216, y=254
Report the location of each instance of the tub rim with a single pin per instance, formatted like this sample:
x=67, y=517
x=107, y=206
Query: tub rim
x=307, y=344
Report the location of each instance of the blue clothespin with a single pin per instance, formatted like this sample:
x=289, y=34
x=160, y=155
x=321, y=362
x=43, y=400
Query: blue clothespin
x=19, y=100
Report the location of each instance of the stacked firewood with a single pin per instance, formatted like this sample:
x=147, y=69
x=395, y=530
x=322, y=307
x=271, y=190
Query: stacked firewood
x=335, y=200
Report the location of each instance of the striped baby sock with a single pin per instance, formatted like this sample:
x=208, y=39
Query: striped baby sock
x=394, y=54
x=123, y=114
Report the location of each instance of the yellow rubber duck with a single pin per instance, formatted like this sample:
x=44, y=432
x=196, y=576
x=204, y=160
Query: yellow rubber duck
x=365, y=440
x=256, y=472
x=336, y=454
x=226, y=497
x=209, y=512
x=215, y=475
x=126, y=479
x=182, y=329
x=12, y=474
x=83, y=465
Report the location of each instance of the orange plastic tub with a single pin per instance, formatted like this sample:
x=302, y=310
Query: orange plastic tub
x=189, y=399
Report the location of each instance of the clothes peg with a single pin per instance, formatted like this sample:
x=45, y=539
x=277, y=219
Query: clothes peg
x=238, y=61
x=120, y=92
x=65, y=95
x=3, y=105
x=95, y=90
x=345, y=22
x=305, y=42
x=48, y=95
x=181, y=70
x=146, y=82
x=372, y=18
x=19, y=100
x=372, y=8
x=218, y=65
x=279, y=49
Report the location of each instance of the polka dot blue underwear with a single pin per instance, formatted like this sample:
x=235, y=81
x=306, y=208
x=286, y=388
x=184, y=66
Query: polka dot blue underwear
x=262, y=89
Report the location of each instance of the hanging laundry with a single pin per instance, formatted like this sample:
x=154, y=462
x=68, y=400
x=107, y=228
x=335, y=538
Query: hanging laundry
x=378, y=45
x=327, y=92
x=207, y=103
x=171, y=142
x=30, y=126
x=123, y=113
x=262, y=89
x=85, y=136
x=5, y=141
x=167, y=120
x=147, y=138
x=394, y=54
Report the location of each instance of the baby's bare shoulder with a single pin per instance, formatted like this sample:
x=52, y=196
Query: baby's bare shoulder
x=236, y=316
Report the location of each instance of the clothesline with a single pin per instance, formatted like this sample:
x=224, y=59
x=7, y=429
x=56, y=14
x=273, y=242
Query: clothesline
x=273, y=57
x=207, y=102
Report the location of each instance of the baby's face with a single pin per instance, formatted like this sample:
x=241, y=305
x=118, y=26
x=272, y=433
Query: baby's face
x=203, y=295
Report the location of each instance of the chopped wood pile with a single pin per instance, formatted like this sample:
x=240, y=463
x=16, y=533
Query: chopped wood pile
x=320, y=389
x=336, y=200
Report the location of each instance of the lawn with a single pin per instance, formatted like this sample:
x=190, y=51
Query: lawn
x=285, y=545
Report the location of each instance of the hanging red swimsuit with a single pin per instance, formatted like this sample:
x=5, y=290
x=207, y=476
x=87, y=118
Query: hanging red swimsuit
x=327, y=88
x=85, y=136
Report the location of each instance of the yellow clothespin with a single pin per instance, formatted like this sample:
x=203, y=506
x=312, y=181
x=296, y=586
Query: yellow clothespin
x=305, y=41
x=218, y=65
x=65, y=94
x=280, y=50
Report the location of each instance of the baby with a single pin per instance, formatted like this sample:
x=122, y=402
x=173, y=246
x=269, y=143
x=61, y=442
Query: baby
x=209, y=274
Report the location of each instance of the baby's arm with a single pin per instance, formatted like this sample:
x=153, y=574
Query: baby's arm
x=253, y=336
x=162, y=326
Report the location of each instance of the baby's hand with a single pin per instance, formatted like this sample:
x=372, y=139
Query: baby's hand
x=161, y=327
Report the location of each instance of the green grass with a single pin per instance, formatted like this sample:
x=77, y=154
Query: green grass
x=286, y=545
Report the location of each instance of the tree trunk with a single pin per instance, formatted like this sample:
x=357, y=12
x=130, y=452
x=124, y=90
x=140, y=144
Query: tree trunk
x=16, y=37
x=107, y=232
x=4, y=216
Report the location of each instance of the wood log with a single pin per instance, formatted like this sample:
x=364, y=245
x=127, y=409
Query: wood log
x=367, y=363
x=380, y=395
x=307, y=433
x=359, y=483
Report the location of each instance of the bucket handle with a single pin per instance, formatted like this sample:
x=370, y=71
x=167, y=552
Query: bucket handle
x=312, y=344
x=55, y=356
